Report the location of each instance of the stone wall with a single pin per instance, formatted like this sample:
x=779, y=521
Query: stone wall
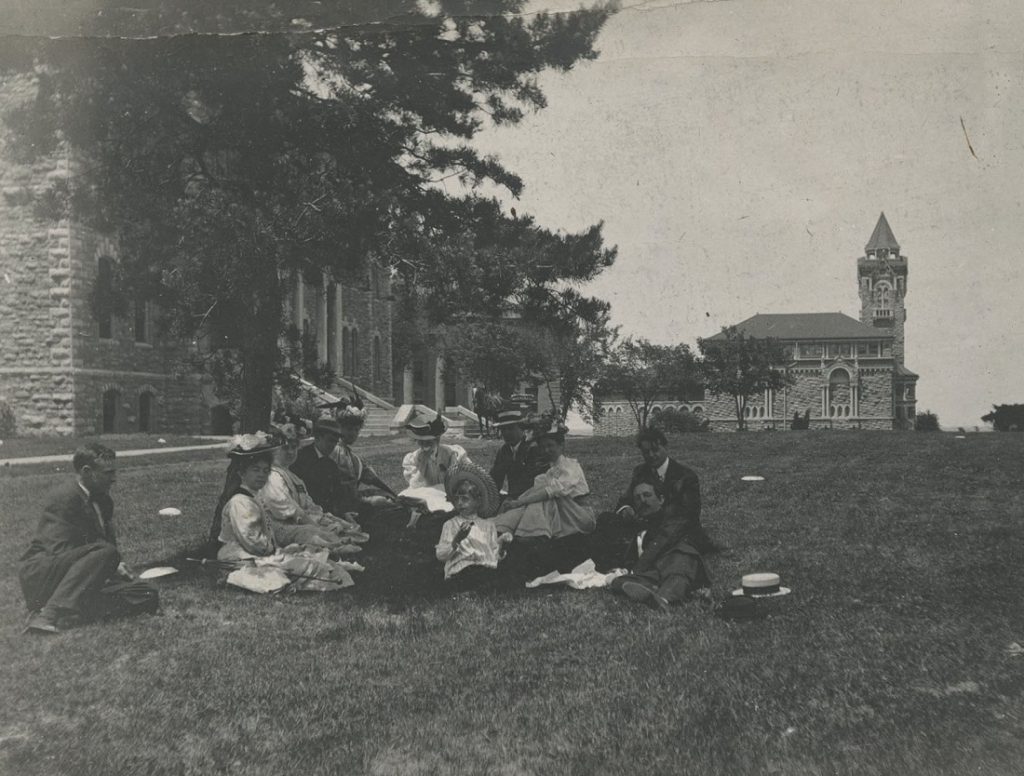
x=35, y=314
x=617, y=418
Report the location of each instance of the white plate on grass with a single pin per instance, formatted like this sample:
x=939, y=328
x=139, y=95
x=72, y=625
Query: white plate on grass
x=169, y=512
x=752, y=478
x=158, y=571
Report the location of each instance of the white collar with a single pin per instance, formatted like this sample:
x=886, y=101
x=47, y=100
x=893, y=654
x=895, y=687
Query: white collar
x=663, y=469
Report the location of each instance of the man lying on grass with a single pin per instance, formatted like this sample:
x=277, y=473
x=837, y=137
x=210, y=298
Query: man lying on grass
x=68, y=573
x=680, y=487
x=670, y=567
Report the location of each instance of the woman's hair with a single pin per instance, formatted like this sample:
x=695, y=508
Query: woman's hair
x=246, y=462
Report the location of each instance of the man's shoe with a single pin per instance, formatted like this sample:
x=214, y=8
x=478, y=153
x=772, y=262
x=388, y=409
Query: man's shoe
x=42, y=622
x=643, y=594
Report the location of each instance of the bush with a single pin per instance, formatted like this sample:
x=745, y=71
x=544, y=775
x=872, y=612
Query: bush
x=926, y=421
x=673, y=421
x=8, y=424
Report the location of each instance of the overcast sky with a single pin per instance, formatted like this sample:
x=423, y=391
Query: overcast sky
x=740, y=151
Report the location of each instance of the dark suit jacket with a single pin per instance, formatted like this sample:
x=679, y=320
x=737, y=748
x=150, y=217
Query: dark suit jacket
x=521, y=468
x=322, y=476
x=681, y=488
x=69, y=521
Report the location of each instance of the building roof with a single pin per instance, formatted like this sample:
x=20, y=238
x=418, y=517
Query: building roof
x=807, y=326
x=882, y=238
x=902, y=371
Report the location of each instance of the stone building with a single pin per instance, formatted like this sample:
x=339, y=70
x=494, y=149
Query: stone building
x=846, y=373
x=65, y=369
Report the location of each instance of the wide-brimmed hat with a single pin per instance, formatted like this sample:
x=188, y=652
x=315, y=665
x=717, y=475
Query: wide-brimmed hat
x=422, y=429
x=761, y=585
x=467, y=471
x=327, y=424
x=256, y=443
x=512, y=416
x=346, y=410
x=549, y=425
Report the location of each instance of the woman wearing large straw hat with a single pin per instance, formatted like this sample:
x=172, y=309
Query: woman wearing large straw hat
x=427, y=466
x=553, y=508
x=246, y=534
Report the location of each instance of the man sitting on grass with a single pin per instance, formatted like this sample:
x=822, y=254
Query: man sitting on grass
x=66, y=573
x=680, y=487
x=670, y=567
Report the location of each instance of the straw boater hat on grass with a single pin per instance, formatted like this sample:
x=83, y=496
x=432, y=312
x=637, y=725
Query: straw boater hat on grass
x=422, y=430
x=467, y=471
x=764, y=585
x=256, y=443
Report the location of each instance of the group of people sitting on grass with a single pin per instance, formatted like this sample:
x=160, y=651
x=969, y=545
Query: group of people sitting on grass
x=293, y=516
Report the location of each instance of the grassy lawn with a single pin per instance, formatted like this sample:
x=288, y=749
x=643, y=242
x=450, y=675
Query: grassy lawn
x=903, y=552
x=25, y=447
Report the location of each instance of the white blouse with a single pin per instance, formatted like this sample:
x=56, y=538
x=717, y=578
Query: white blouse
x=427, y=468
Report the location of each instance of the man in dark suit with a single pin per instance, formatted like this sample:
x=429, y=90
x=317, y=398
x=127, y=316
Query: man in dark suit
x=669, y=567
x=681, y=488
x=318, y=470
x=518, y=461
x=67, y=570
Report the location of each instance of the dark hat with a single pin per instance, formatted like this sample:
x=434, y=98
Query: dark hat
x=512, y=416
x=422, y=430
x=549, y=425
x=330, y=425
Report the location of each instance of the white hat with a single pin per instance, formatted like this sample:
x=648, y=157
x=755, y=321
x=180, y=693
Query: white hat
x=764, y=585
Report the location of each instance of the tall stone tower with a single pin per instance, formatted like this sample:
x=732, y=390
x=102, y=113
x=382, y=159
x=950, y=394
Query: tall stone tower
x=882, y=278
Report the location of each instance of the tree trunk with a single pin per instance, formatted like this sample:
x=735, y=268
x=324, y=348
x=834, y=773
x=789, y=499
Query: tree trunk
x=259, y=361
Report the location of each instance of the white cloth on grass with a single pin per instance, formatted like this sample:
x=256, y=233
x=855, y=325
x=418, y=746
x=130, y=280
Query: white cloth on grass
x=582, y=577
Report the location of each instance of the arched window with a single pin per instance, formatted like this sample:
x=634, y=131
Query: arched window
x=104, y=300
x=883, y=294
x=111, y=402
x=378, y=361
x=839, y=396
x=221, y=422
x=146, y=404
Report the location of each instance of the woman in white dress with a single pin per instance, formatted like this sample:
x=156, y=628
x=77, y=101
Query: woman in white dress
x=294, y=516
x=554, y=507
x=426, y=466
x=246, y=533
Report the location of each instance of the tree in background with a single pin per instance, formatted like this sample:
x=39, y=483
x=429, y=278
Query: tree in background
x=1006, y=417
x=503, y=282
x=225, y=166
x=740, y=366
x=643, y=373
x=926, y=421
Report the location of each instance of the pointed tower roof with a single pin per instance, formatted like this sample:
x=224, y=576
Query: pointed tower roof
x=882, y=239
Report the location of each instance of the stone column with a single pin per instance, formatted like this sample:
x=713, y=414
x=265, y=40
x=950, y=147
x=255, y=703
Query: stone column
x=439, y=382
x=407, y=395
